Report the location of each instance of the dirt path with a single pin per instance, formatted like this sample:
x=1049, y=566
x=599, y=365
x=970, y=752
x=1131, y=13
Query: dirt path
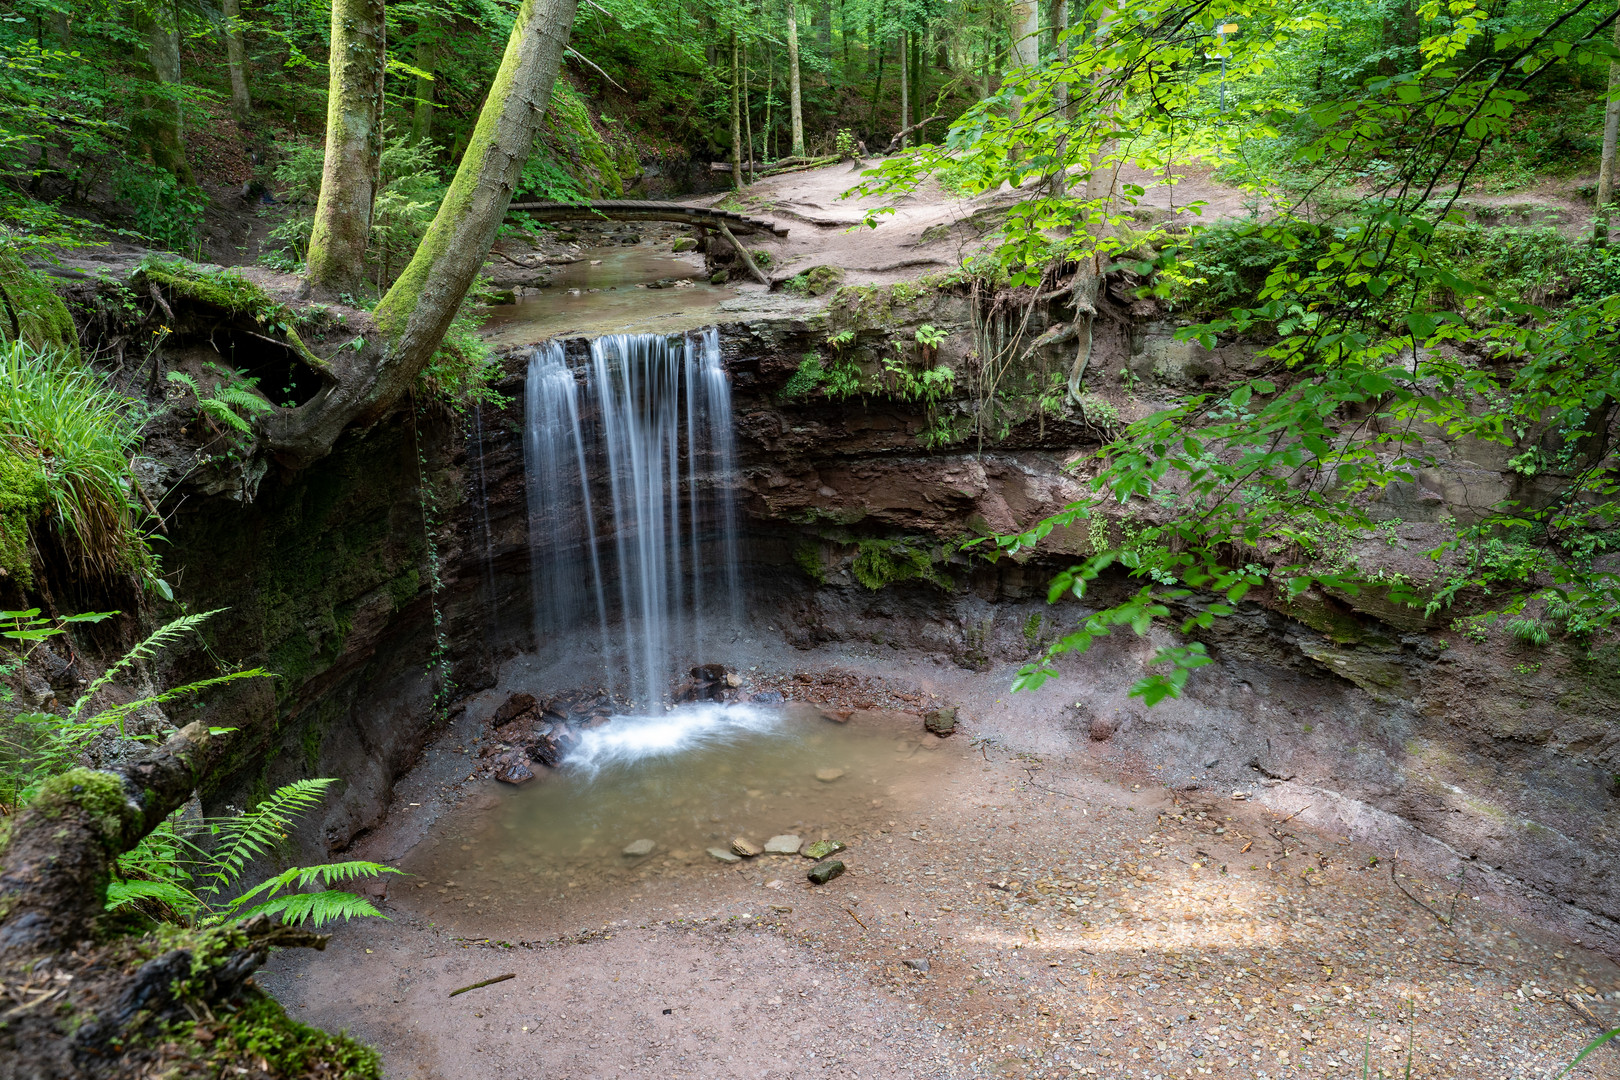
x=1076, y=919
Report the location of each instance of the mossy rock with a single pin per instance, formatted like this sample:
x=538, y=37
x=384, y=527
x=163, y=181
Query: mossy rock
x=33, y=312
x=685, y=243
x=823, y=279
x=24, y=496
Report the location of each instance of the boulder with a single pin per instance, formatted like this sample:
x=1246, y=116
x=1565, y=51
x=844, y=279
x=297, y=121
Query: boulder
x=685, y=243
x=785, y=844
x=942, y=721
x=514, y=707
x=823, y=872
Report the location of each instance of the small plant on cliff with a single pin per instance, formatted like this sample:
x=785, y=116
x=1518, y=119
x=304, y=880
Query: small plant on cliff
x=36, y=746
x=169, y=871
x=229, y=406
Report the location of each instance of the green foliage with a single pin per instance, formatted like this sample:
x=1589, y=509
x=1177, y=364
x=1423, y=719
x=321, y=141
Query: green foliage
x=33, y=313
x=24, y=496
x=229, y=405
x=839, y=380
x=193, y=869
x=162, y=209
x=879, y=563
x=261, y=1031
x=63, y=424
x=807, y=556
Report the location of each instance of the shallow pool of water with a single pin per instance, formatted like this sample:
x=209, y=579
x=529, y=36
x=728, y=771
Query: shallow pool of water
x=600, y=295
x=688, y=780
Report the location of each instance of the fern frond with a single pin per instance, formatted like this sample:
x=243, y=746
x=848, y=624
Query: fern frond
x=317, y=909
x=243, y=398
x=161, y=638
x=117, y=713
x=218, y=410
x=124, y=893
x=256, y=831
x=184, y=380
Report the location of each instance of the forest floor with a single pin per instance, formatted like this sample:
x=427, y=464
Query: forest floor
x=1077, y=918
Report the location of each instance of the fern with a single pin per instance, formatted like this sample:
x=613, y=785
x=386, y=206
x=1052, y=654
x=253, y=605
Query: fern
x=320, y=908
x=257, y=831
x=161, y=638
x=117, y=713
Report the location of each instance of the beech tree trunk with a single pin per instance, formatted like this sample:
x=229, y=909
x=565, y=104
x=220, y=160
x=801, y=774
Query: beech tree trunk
x=795, y=110
x=736, y=116
x=413, y=317
x=905, y=87
x=235, y=59
x=1060, y=23
x=1611, y=151
x=159, y=124
x=1026, y=39
x=337, y=243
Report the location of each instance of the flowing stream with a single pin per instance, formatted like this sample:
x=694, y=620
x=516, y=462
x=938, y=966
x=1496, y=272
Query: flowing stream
x=631, y=469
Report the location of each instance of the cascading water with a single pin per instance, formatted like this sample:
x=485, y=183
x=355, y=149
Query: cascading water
x=631, y=516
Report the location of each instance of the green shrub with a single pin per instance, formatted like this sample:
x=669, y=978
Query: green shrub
x=64, y=423
x=883, y=562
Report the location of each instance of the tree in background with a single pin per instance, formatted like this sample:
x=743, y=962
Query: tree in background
x=354, y=138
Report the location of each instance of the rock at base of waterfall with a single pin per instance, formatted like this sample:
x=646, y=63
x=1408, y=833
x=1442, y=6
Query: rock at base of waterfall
x=785, y=844
x=823, y=872
x=837, y=716
x=821, y=849
x=745, y=847
x=941, y=722
x=639, y=848
x=706, y=682
x=510, y=768
x=768, y=697
x=827, y=776
x=725, y=856
x=733, y=679
x=917, y=965
x=514, y=707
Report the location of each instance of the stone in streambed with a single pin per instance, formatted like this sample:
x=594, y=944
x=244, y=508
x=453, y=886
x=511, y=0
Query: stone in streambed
x=827, y=776
x=685, y=243
x=941, y=722
x=511, y=768
x=823, y=872
x=745, y=847
x=821, y=849
x=514, y=707
x=785, y=844
x=640, y=848
x=724, y=856
x=917, y=965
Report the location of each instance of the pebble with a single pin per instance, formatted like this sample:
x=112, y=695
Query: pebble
x=827, y=776
x=745, y=847
x=917, y=965
x=823, y=872
x=725, y=856
x=640, y=848
x=785, y=844
x=821, y=849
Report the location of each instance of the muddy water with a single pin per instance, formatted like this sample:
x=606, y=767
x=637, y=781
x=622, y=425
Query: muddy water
x=687, y=781
x=605, y=293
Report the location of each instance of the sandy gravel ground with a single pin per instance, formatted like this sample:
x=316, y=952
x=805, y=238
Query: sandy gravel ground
x=1076, y=917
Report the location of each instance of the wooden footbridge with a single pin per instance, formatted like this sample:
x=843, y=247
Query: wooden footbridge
x=634, y=210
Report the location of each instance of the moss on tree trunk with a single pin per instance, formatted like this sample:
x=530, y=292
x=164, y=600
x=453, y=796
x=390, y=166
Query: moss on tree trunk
x=337, y=242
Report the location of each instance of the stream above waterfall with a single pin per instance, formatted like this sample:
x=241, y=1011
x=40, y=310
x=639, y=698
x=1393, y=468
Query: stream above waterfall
x=606, y=292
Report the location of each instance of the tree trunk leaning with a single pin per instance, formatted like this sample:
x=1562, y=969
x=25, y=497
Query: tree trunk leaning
x=795, y=108
x=1611, y=151
x=337, y=242
x=414, y=316
x=235, y=60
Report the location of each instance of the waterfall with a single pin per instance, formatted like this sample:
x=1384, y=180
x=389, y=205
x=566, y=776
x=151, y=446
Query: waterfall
x=631, y=467
x=476, y=451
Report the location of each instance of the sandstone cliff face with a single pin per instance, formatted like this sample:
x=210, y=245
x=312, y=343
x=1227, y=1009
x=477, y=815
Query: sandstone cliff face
x=1465, y=750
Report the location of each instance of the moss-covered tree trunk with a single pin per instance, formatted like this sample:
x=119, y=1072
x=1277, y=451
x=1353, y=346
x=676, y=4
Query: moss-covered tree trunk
x=416, y=313
x=795, y=107
x=337, y=242
x=1610, y=154
x=62, y=846
x=235, y=58
x=157, y=123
